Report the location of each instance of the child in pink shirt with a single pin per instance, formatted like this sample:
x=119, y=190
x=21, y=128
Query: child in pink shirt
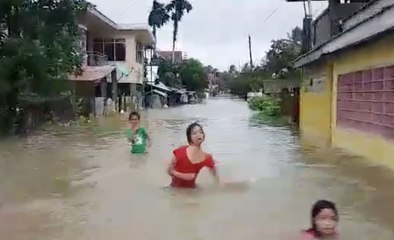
x=324, y=220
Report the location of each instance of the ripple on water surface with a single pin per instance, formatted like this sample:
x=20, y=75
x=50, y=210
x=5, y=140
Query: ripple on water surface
x=81, y=182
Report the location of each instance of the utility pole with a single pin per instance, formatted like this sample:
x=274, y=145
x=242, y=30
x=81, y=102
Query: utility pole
x=310, y=8
x=250, y=52
x=151, y=79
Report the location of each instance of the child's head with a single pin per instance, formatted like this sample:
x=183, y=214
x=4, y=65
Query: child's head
x=324, y=218
x=134, y=118
x=195, y=134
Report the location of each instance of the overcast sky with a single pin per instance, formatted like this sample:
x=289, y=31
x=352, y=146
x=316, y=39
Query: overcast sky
x=216, y=31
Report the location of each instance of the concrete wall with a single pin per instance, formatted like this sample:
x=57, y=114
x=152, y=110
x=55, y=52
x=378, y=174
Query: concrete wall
x=315, y=105
x=358, y=141
x=319, y=95
x=327, y=24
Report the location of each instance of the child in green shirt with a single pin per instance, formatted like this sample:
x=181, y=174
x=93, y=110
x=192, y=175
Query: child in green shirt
x=136, y=135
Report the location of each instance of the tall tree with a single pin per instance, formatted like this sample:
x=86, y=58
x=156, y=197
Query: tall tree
x=178, y=8
x=232, y=69
x=279, y=58
x=39, y=47
x=158, y=17
x=295, y=35
x=193, y=75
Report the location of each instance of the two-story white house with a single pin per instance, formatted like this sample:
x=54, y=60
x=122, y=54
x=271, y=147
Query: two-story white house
x=114, y=56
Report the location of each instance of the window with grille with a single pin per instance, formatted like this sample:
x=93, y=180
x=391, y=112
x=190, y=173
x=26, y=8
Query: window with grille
x=114, y=49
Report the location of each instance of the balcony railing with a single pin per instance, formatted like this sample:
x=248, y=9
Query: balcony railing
x=96, y=59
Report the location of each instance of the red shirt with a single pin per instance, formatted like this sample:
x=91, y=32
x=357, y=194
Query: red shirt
x=184, y=165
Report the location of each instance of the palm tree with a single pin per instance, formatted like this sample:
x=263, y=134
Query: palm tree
x=158, y=16
x=177, y=9
x=295, y=36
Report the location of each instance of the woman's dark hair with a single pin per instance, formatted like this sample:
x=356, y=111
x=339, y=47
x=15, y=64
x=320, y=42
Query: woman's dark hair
x=134, y=113
x=316, y=209
x=189, y=130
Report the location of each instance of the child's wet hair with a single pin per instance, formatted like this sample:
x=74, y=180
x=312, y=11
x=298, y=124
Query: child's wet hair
x=189, y=130
x=317, y=208
x=134, y=113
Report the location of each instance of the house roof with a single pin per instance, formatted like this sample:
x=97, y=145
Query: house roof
x=369, y=9
x=167, y=55
x=123, y=26
x=92, y=73
x=378, y=24
x=163, y=94
x=161, y=86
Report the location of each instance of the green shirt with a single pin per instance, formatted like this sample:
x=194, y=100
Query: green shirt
x=138, y=140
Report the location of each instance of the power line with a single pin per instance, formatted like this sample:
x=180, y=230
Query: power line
x=270, y=15
x=274, y=11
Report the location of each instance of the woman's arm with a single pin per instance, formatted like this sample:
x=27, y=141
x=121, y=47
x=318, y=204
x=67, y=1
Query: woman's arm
x=213, y=168
x=215, y=174
x=173, y=173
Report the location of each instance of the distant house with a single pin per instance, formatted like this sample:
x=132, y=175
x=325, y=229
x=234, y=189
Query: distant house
x=114, y=57
x=167, y=55
x=157, y=95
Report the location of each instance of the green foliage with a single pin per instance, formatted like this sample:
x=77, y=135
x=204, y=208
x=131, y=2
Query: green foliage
x=158, y=16
x=168, y=73
x=277, y=64
x=190, y=74
x=39, y=47
x=193, y=75
x=268, y=106
x=259, y=118
x=248, y=81
x=177, y=8
x=280, y=57
x=296, y=35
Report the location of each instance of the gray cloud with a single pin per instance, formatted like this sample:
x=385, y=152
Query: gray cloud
x=216, y=30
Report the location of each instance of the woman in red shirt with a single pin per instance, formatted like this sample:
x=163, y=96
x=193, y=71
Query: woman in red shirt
x=189, y=160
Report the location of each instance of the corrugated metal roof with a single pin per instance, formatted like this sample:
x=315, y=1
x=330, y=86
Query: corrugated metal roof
x=160, y=93
x=92, y=73
x=160, y=85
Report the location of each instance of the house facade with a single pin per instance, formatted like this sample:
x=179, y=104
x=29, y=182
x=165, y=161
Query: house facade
x=347, y=98
x=111, y=47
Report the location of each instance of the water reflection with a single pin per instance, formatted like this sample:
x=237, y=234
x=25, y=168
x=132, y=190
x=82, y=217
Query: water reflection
x=81, y=182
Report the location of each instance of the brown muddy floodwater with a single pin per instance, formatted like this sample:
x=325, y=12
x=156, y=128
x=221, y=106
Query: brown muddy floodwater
x=80, y=183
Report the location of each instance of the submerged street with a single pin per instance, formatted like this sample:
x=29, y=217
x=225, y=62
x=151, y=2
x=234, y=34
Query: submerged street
x=82, y=182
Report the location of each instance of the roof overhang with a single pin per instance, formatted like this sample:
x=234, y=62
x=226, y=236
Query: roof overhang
x=94, y=16
x=92, y=73
x=371, y=28
x=163, y=94
x=160, y=86
x=96, y=20
x=368, y=10
x=143, y=33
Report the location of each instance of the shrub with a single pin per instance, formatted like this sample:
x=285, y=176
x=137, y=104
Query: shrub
x=269, y=106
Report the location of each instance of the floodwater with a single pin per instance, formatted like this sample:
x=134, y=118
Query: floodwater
x=80, y=183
